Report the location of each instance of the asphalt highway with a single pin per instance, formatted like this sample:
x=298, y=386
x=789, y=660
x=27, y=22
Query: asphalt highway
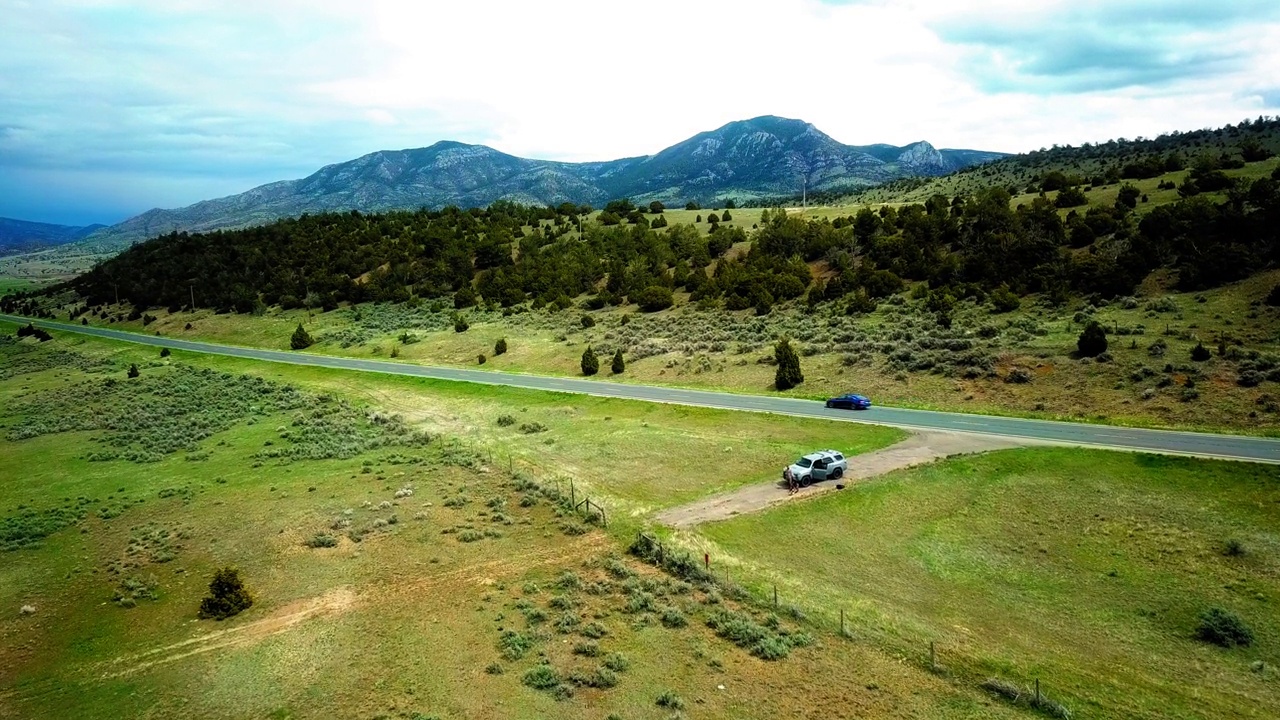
x=1230, y=447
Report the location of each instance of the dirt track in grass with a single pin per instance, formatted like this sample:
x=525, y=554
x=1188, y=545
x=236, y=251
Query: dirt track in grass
x=919, y=449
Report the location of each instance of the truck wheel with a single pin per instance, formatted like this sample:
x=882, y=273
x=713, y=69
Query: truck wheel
x=839, y=473
x=828, y=404
x=806, y=480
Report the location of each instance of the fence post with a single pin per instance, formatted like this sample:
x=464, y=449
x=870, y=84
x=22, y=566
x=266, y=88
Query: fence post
x=1037, y=692
x=842, y=632
x=572, y=496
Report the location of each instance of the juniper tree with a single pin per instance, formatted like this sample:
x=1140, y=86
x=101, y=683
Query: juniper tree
x=788, y=375
x=301, y=340
x=590, y=363
x=619, y=365
x=227, y=595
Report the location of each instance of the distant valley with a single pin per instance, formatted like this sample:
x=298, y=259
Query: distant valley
x=21, y=236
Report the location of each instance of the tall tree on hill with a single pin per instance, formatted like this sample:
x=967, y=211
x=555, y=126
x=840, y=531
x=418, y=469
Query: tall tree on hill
x=788, y=374
x=590, y=363
x=301, y=340
x=619, y=365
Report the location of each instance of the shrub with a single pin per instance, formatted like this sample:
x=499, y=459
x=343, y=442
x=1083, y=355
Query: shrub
x=514, y=645
x=541, y=677
x=1233, y=548
x=480, y=359
x=500, y=347
x=227, y=595
x=788, y=374
x=619, y=365
x=1200, y=353
x=301, y=340
x=670, y=700
x=133, y=371
x=588, y=321
x=1092, y=341
x=460, y=324
x=322, y=540
x=1273, y=297
x=1018, y=376
x=653, y=298
x=1004, y=300
x=506, y=420
x=1223, y=627
x=617, y=662
x=164, y=352
x=590, y=363
x=587, y=648
x=673, y=618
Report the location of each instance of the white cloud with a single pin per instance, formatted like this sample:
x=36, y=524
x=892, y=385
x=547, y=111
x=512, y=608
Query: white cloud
x=214, y=94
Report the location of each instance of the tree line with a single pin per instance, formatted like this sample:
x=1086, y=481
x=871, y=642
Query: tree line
x=507, y=254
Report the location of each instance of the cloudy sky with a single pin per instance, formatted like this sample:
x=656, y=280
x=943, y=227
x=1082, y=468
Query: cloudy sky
x=109, y=108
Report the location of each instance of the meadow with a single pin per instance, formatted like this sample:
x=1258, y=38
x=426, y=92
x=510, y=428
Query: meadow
x=1084, y=569
x=412, y=554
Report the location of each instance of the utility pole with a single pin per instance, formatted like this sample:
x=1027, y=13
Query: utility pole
x=193, y=298
x=804, y=196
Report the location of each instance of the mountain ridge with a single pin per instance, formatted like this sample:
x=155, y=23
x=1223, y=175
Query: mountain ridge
x=764, y=156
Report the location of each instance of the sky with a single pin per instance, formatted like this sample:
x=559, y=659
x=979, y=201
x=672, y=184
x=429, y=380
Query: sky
x=110, y=108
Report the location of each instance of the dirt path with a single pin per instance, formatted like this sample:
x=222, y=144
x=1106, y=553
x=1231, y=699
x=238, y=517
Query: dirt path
x=919, y=449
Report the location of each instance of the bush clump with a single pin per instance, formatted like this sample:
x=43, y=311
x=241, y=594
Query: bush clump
x=227, y=595
x=590, y=363
x=1224, y=628
x=500, y=347
x=322, y=540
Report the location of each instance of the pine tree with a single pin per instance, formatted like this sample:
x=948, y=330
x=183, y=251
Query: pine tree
x=619, y=365
x=300, y=340
x=133, y=371
x=500, y=347
x=590, y=363
x=788, y=375
x=227, y=595
x=1200, y=353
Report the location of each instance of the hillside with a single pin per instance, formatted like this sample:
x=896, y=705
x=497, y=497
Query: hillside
x=1092, y=164
x=764, y=156
x=22, y=236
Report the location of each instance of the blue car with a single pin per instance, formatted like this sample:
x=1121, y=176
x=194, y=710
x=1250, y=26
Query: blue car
x=850, y=402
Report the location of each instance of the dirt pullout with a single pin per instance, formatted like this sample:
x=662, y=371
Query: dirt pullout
x=919, y=449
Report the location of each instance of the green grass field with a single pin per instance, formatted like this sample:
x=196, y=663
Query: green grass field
x=114, y=555
x=1085, y=569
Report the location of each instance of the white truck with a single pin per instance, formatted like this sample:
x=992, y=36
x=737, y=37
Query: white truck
x=818, y=466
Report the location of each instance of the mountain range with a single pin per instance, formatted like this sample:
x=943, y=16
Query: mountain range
x=22, y=236
x=762, y=157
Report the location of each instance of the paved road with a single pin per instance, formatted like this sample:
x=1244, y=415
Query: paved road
x=1232, y=447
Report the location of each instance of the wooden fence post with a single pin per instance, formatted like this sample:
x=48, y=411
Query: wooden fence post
x=842, y=632
x=1037, y=692
x=572, y=495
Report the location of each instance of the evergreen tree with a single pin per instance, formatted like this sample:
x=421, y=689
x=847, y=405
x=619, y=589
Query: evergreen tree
x=227, y=595
x=300, y=340
x=788, y=375
x=590, y=363
x=165, y=353
x=619, y=365
x=726, y=217
x=465, y=297
x=460, y=324
x=133, y=371
x=500, y=347
x=1092, y=341
x=1200, y=353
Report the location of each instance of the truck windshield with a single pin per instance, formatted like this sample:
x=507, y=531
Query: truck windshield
x=804, y=462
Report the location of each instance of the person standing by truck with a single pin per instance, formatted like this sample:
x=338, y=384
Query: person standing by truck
x=790, y=477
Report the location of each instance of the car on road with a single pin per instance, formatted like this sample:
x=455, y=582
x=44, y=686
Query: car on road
x=850, y=402
x=818, y=466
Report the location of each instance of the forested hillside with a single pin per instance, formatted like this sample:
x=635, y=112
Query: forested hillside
x=1220, y=229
